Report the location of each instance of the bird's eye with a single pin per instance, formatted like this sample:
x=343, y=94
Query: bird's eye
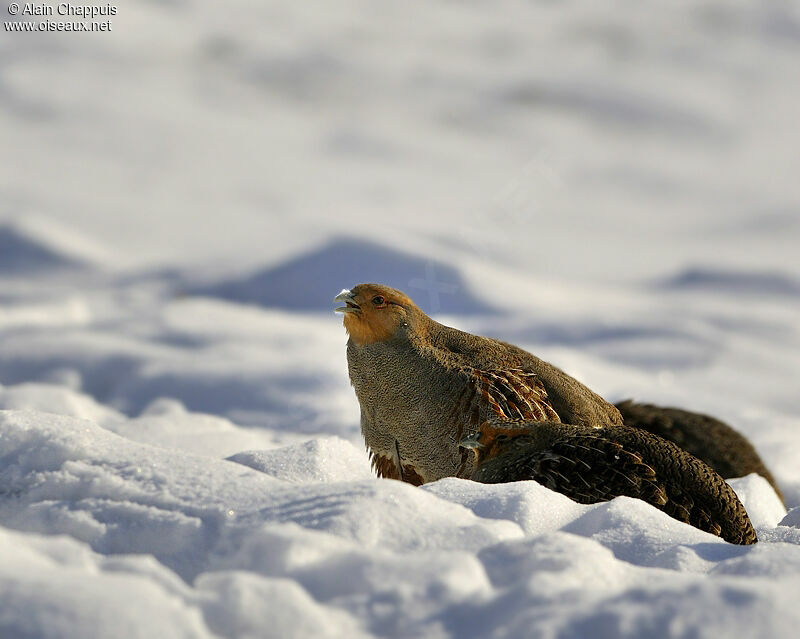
x=501, y=438
x=378, y=300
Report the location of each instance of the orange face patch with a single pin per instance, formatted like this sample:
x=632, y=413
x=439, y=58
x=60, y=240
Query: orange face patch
x=382, y=311
x=494, y=440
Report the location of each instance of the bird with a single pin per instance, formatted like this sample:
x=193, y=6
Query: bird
x=422, y=386
x=595, y=464
x=716, y=443
x=425, y=388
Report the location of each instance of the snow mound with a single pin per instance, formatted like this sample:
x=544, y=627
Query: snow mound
x=676, y=609
x=243, y=604
x=319, y=460
x=67, y=476
x=69, y=588
x=760, y=500
x=391, y=589
x=639, y=533
x=561, y=562
x=168, y=424
x=533, y=507
x=62, y=475
x=53, y=398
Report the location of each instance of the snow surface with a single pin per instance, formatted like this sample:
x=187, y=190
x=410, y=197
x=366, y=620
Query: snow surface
x=613, y=187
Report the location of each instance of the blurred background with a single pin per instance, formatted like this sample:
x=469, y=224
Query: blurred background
x=622, y=142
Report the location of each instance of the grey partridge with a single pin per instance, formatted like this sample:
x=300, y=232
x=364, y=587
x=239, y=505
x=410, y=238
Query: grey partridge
x=591, y=465
x=423, y=386
x=716, y=443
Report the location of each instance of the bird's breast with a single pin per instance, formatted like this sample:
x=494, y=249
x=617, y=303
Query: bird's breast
x=408, y=408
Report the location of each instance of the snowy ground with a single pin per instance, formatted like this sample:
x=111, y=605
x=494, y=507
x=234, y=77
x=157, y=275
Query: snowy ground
x=612, y=187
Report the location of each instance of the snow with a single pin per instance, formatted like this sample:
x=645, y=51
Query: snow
x=613, y=188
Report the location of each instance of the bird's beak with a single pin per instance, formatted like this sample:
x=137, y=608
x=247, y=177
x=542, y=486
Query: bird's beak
x=471, y=441
x=349, y=300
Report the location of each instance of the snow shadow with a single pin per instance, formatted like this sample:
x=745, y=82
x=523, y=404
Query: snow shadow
x=608, y=105
x=732, y=282
x=309, y=282
x=645, y=346
x=20, y=254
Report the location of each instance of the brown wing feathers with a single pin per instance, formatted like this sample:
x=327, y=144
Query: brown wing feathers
x=513, y=394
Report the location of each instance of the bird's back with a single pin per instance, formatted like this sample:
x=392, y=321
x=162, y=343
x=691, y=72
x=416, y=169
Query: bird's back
x=724, y=449
x=573, y=402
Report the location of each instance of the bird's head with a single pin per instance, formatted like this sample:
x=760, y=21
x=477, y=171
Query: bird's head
x=492, y=438
x=375, y=313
